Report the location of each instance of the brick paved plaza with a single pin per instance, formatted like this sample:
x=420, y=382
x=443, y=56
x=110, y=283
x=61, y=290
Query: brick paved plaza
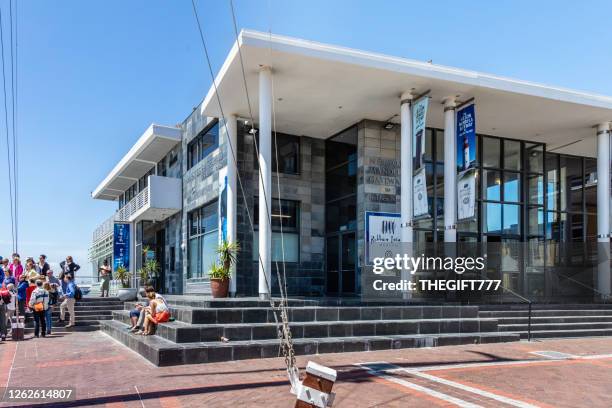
x=107, y=374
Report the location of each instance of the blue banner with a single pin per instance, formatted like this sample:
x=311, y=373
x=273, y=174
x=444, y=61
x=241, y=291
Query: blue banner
x=223, y=210
x=466, y=137
x=121, y=246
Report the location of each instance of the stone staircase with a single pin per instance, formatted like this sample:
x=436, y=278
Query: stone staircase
x=316, y=327
x=89, y=311
x=550, y=321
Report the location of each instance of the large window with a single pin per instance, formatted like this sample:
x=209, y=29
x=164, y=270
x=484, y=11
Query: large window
x=285, y=215
x=203, y=225
x=203, y=144
x=288, y=157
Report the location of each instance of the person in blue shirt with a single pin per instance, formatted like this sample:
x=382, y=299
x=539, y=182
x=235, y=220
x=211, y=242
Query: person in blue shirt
x=69, y=300
x=21, y=294
x=8, y=279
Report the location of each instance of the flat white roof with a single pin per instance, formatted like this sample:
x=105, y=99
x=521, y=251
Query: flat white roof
x=151, y=147
x=320, y=89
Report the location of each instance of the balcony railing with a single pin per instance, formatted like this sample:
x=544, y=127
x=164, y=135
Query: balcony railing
x=160, y=199
x=104, y=229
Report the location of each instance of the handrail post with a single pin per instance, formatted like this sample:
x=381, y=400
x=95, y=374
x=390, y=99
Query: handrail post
x=529, y=323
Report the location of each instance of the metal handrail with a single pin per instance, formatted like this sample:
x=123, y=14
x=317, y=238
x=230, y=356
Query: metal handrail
x=529, y=302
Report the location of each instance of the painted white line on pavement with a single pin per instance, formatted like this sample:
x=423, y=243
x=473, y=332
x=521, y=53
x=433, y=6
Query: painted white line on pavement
x=508, y=362
x=371, y=369
x=478, y=391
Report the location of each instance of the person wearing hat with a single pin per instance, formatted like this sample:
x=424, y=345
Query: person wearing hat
x=42, y=266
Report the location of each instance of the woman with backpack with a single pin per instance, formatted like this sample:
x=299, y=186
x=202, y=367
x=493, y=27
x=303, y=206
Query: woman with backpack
x=39, y=303
x=22, y=289
x=53, y=297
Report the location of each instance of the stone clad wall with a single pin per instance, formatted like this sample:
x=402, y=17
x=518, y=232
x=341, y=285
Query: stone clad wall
x=200, y=186
x=305, y=277
x=378, y=181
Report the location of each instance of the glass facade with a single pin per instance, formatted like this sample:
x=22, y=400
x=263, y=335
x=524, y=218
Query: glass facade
x=285, y=154
x=524, y=195
x=285, y=218
x=203, y=238
x=203, y=144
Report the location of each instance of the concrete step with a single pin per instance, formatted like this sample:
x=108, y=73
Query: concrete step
x=556, y=326
x=551, y=312
x=204, y=302
x=553, y=319
x=568, y=333
x=547, y=306
x=88, y=299
x=196, y=315
x=180, y=332
x=163, y=352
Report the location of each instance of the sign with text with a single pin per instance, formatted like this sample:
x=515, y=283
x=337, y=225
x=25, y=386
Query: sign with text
x=466, y=194
x=419, y=123
x=381, y=227
x=420, y=204
x=466, y=137
x=121, y=246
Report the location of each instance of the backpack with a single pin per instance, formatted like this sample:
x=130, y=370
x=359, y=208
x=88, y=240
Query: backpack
x=6, y=296
x=78, y=295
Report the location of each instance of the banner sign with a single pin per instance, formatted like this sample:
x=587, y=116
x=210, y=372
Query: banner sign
x=466, y=193
x=420, y=205
x=223, y=205
x=381, y=227
x=419, y=123
x=121, y=246
x=466, y=137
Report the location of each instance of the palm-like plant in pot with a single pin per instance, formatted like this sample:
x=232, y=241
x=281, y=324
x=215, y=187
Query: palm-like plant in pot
x=220, y=273
x=125, y=293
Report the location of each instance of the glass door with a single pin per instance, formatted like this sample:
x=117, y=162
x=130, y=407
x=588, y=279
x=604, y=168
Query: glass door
x=341, y=264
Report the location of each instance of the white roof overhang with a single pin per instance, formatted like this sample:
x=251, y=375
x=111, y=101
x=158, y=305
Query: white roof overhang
x=151, y=147
x=320, y=89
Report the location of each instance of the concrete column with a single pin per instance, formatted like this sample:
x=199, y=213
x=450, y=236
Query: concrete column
x=603, y=208
x=450, y=172
x=265, y=181
x=406, y=181
x=406, y=166
x=232, y=192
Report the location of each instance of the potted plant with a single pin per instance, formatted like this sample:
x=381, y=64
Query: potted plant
x=219, y=280
x=220, y=273
x=125, y=292
x=148, y=274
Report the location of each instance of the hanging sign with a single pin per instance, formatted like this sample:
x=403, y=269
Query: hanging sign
x=121, y=246
x=223, y=205
x=419, y=122
x=420, y=206
x=466, y=137
x=466, y=193
x=381, y=227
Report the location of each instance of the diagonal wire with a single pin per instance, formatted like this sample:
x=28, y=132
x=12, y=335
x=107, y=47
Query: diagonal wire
x=231, y=148
x=8, y=145
x=268, y=204
x=13, y=110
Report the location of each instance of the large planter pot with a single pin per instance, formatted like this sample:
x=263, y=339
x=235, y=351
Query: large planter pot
x=125, y=294
x=219, y=287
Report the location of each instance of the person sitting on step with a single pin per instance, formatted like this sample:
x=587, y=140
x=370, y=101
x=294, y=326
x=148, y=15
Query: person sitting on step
x=158, y=312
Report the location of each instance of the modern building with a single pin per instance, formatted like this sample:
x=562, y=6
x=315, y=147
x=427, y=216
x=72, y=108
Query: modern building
x=324, y=136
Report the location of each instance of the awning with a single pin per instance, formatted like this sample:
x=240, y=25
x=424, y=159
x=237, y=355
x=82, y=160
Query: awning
x=155, y=143
x=320, y=89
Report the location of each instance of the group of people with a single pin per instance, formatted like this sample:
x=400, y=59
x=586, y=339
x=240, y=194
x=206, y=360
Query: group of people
x=35, y=289
x=145, y=318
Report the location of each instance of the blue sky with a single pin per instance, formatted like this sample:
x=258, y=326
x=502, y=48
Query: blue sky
x=94, y=74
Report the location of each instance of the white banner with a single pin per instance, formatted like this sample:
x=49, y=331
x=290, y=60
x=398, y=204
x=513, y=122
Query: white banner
x=420, y=205
x=466, y=193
